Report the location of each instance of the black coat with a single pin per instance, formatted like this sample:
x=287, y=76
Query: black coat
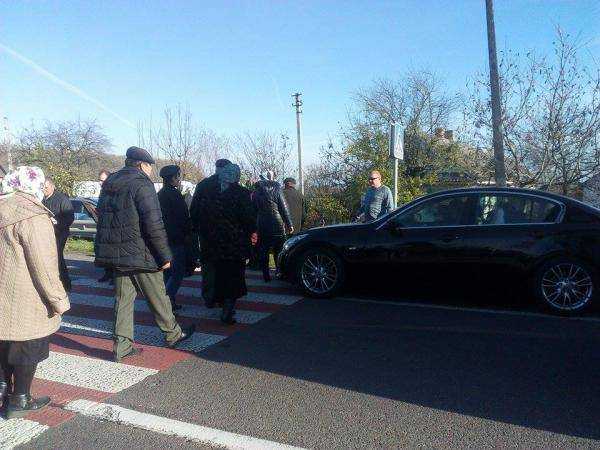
x=130, y=231
x=63, y=211
x=273, y=212
x=227, y=219
x=206, y=187
x=295, y=203
x=175, y=214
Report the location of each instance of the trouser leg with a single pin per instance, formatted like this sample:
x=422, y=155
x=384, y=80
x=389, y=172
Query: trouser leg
x=153, y=289
x=61, y=241
x=23, y=376
x=264, y=250
x=125, y=294
x=176, y=273
x=208, y=282
x=277, y=247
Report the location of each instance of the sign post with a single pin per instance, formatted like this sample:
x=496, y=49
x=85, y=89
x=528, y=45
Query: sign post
x=396, y=147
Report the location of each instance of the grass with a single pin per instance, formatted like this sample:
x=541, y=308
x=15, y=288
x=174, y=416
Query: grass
x=78, y=245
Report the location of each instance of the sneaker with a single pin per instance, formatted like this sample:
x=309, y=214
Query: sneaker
x=133, y=352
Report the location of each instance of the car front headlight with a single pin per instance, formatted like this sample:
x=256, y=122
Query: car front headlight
x=293, y=241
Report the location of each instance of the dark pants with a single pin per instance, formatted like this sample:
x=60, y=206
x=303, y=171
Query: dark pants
x=175, y=275
x=208, y=282
x=61, y=241
x=18, y=361
x=266, y=244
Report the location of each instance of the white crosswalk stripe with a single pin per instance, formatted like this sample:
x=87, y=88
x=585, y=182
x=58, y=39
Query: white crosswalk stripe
x=90, y=373
x=18, y=432
x=193, y=311
x=143, y=334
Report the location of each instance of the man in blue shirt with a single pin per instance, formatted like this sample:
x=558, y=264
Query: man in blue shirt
x=377, y=200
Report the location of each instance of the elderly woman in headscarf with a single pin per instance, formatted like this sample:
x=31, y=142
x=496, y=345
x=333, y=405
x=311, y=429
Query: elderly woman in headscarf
x=228, y=221
x=32, y=297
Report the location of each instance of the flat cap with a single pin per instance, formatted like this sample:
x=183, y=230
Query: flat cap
x=169, y=171
x=222, y=163
x=139, y=154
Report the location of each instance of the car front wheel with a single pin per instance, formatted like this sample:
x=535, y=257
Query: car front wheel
x=320, y=273
x=566, y=286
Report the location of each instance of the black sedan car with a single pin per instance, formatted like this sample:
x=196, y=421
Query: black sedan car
x=549, y=242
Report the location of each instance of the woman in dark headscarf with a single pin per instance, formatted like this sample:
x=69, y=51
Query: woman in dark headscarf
x=228, y=221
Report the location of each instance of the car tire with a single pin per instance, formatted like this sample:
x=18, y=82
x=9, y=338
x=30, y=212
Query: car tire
x=566, y=286
x=320, y=273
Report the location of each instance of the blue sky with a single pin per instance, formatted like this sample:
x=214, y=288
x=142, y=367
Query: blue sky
x=236, y=64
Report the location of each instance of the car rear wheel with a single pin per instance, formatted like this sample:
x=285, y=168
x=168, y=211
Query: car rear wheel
x=320, y=273
x=566, y=286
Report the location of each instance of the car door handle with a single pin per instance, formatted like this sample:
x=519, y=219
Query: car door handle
x=449, y=237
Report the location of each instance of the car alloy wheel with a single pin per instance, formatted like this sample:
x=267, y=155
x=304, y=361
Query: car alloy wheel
x=319, y=273
x=567, y=286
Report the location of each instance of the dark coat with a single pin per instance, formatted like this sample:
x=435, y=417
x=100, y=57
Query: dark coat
x=175, y=214
x=130, y=231
x=62, y=208
x=206, y=187
x=273, y=212
x=295, y=203
x=227, y=221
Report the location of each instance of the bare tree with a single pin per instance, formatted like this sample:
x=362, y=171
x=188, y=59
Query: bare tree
x=68, y=151
x=551, y=116
x=264, y=151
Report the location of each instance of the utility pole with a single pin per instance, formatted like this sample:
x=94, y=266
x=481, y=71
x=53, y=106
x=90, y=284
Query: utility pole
x=298, y=105
x=499, y=167
x=8, y=143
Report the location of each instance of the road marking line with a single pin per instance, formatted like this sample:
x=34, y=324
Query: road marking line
x=193, y=311
x=170, y=427
x=143, y=334
x=16, y=432
x=91, y=373
x=460, y=308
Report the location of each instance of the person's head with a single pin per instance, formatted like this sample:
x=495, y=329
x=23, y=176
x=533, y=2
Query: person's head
x=140, y=159
x=268, y=175
x=103, y=175
x=49, y=187
x=228, y=175
x=27, y=179
x=171, y=175
x=289, y=183
x=375, y=179
x=221, y=163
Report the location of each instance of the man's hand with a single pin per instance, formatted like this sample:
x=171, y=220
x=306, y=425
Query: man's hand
x=291, y=230
x=166, y=266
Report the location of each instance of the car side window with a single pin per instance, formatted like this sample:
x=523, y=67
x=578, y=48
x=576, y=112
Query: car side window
x=512, y=209
x=80, y=211
x=437, y=212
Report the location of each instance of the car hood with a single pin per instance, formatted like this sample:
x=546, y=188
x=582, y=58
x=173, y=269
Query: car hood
x=344, y=228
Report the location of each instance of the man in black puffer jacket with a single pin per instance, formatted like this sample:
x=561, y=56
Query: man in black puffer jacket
x=273, y=219
x=131, y=240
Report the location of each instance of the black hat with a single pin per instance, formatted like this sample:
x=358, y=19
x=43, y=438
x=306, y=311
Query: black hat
x=169, y=171
x=222, y=163
x=289, y=180
x=139, y=154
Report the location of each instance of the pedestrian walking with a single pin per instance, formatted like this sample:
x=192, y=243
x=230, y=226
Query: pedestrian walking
x=108, y=273
x=228, y=220
x=295, y=203
x=60, y=205
x=176, y=218
x=377, y=200
x=131, y=240
x=273, y=219
x=32, y=296
x=207, y=188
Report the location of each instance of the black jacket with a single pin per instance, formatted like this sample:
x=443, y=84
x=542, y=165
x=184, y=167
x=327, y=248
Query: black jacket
x=295, y=203
x=175, y=214
x=130, y=231
x=206, y=187
x=227, y=221
x=63, y=211
x=272, y=209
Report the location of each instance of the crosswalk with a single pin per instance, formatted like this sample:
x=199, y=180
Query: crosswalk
x=80, y=366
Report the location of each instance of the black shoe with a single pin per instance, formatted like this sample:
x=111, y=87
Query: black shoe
x=185, y=335
x=176, y=307
x=133, y=352
x=104, y=278
x=228, y=312
x=3, y=393
x=19, y=405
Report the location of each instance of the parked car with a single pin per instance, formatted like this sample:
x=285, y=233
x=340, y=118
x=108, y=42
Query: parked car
x=489, y=235
x=84, y=225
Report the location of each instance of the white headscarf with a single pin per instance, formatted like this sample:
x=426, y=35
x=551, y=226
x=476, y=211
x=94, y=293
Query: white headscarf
x=27, y=179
